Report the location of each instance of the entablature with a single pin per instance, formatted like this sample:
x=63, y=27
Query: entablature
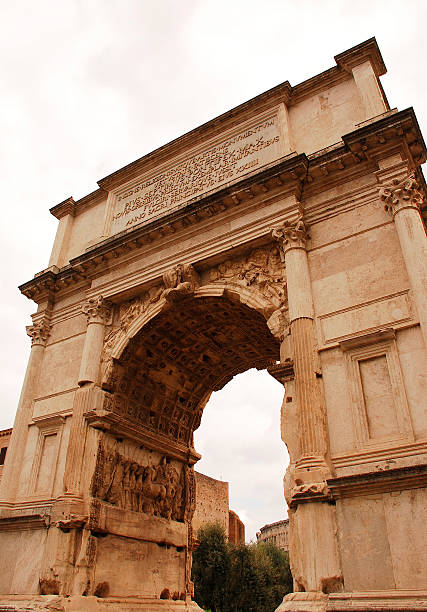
x=296, y=175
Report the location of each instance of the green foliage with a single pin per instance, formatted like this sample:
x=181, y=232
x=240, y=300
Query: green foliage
x=211, y=566
x=244, y=578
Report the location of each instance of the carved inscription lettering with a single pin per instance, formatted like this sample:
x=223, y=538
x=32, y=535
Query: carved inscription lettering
x=217, y=164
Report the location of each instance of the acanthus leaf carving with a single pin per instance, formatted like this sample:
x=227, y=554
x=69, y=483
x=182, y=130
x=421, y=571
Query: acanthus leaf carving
x=291, y=235
x=401, y=194
x=39, y=332
x=97, y=310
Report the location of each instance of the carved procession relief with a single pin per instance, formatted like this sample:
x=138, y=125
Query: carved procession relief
x=156, y=487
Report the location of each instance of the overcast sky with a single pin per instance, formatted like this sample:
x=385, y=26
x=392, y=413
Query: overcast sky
x=88, y=87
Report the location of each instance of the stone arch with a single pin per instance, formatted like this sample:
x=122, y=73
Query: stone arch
x=212, y=334
x=256, y=279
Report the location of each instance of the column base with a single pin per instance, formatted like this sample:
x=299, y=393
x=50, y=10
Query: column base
x=369, y=601
x=77, y=603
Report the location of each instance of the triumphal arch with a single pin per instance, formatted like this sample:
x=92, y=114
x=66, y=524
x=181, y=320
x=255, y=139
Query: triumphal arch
x=286, y=234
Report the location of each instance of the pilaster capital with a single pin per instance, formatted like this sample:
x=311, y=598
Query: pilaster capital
x=291, y=235
x=97, y=310
x=39, y=332
x=401, y=194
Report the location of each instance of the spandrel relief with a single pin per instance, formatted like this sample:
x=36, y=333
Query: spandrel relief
x=262, y=271
x=135, y=479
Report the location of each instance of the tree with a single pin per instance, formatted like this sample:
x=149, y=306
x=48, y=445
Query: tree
x=273, y=564
x=241, y=578
x=211, y=567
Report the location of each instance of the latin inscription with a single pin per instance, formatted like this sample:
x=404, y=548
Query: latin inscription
x=216, y=164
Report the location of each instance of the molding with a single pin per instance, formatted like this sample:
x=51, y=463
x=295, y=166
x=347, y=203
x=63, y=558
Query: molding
x=116, y=425
x=24, y=522
x=366, y=51
x=360, y=335
x=282, y=372
x=393, y=601
x=386, y=481
x=384, y=452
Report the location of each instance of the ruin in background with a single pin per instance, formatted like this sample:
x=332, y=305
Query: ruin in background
x=287, y=234
x=276, y=533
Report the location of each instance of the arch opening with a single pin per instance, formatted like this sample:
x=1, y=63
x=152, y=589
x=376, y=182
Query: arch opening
x=167, y=372
x=240, y=442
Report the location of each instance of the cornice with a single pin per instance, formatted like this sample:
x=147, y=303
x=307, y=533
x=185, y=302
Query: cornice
x=365, y=51
x=5, y=432
x=66, y=207
x=93, y=198
x=361, y=149
x=48, y=282
x=287, y=174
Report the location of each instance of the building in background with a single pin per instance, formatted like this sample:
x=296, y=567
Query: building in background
x=236, y=528
x=277, y=533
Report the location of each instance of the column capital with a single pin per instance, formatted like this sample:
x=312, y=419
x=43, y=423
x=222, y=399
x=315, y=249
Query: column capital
x=39, y=332
x=97, y=310
x=401, y=194
x=291, y=235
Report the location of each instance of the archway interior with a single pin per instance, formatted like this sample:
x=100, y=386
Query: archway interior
x=167, y=372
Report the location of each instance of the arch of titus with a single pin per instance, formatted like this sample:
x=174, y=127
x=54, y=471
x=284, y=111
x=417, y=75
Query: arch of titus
x=286, y=234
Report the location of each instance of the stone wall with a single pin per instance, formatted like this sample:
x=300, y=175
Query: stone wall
x=236, y=529
x=211, y=502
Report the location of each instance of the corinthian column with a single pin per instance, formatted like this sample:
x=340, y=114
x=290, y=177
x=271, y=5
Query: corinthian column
x=39, y=333
x=311, y=466
x=314, y=557
x=98, y=313
x=403, y=200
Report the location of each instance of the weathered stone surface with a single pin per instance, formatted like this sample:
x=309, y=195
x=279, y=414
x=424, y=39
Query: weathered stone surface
x=258, y=240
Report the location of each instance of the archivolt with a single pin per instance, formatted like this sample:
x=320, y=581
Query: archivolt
x=164, y=365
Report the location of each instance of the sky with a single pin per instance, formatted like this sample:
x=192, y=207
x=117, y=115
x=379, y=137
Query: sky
x=89, y=86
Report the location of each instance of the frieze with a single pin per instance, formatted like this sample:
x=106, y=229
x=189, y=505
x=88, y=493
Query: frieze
x=217, y=162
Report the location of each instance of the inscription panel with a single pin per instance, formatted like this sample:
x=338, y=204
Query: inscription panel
x=203, y=169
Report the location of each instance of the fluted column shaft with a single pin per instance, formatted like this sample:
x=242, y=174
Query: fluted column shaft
x=403, y=200
x=39, y=333
x=98, y=313
x=312, y=421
